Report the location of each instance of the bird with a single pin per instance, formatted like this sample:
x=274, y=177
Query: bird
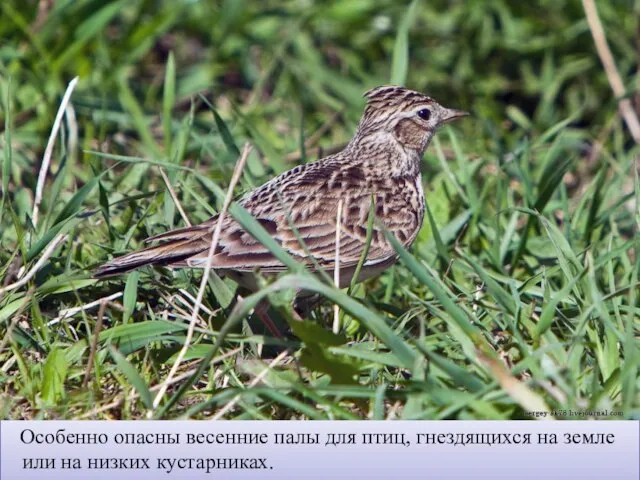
x=378, y=169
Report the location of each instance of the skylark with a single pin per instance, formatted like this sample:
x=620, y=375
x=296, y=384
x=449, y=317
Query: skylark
x=381, y=161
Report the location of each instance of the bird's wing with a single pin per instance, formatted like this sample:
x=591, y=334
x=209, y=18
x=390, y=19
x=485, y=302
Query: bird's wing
x=299, y=211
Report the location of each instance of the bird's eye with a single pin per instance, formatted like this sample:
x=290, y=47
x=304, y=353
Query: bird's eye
x=424, y=114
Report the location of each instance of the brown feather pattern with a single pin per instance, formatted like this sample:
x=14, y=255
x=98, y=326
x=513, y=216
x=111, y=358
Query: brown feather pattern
x=381, y=161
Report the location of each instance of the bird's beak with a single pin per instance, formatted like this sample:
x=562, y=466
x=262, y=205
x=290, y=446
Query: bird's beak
x=450, y=115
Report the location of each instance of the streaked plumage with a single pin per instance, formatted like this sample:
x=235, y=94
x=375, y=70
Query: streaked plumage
x=382, y=160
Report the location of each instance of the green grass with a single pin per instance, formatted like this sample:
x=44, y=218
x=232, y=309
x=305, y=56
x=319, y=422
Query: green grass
x=520, y=294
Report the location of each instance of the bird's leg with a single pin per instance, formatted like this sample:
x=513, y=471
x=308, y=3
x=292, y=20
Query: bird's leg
x=262, y=312
x=303, y=304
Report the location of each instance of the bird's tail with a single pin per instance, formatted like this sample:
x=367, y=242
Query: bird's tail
x=172, y=251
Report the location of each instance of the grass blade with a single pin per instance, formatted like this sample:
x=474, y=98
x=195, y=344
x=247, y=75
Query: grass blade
x=133, y=376
x=400, y=60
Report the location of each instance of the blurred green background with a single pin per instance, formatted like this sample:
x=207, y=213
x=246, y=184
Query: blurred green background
x=514, y=64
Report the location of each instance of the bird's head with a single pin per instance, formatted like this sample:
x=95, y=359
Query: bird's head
x=411, y=117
